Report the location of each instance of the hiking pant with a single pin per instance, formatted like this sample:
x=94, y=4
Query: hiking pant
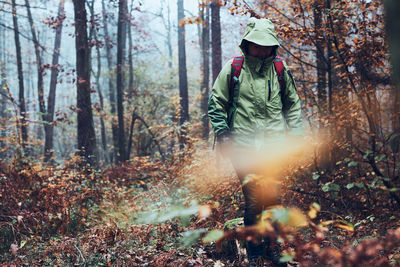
x=260, y=190
x=257, y=199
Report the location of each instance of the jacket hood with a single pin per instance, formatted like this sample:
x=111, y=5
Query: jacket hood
x=261, y=32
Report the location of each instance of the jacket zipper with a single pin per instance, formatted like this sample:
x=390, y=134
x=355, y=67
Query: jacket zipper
x=269, y=90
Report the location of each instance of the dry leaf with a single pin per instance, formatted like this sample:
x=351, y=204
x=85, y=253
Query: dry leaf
x=14, y=249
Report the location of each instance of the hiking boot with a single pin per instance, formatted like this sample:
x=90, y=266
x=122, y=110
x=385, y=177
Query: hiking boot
x=256, y=262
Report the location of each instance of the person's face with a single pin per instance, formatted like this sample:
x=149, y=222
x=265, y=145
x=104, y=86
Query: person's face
x=259, y=51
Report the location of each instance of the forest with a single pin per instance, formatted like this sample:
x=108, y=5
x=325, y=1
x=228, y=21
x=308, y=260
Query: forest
x=108, y=156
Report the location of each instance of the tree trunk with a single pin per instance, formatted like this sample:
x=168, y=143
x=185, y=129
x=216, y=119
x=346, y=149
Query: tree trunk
x=51, y=101
x=183, y=83
x=133, y=119
x=321, y=67
x=130, y=85
x=86, y=134
x=93, y=36
x=216, y=39
x=111, y=88
x=205, y=45
x=130, y=59
x=3, y=92
x=102, y=124
x=169, y=38
x=392, y=19
x=101, y=99
x=321, y=83
x=22, y=108
x=121, y=36
x=40, y=89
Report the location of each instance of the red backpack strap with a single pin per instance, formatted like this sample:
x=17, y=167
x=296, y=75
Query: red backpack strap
x=280, y=69
x=236, y=68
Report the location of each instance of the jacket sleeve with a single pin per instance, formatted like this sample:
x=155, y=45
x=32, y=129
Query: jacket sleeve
x=218, y=101
x=292, y=106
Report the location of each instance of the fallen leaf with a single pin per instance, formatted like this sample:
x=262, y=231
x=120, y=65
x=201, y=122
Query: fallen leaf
x=14, y=249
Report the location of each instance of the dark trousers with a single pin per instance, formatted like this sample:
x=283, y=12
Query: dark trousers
x=257, y=197
x=259, y=176
x=260, y=190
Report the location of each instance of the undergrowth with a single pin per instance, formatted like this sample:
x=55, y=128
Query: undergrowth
x=188, y=213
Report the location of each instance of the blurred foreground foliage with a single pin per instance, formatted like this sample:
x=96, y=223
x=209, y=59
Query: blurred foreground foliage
x=187, y=211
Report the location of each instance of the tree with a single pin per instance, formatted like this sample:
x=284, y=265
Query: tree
x=392, y=8
x=183, y=83
x=216, y=39
x=168, y=28
x=131, y=90
x=51, y=102
x=39, y=66
x=121, y=45
x=93, y=37
x=205, y=51
x=320, y=56
x=111, y=87
x=3, y=92
x=86, y=134
x=22, y=108
x=47, y=114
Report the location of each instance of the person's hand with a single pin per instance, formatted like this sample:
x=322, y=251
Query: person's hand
x=224, y=143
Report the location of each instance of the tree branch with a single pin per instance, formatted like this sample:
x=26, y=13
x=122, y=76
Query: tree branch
x=21, y=34
x=151, y=133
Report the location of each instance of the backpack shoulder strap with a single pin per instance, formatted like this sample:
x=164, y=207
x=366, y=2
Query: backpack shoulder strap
x=280, y=68
x=236, y=68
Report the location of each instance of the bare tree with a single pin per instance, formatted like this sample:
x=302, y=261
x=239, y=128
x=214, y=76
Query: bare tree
x=183, y=83
x=320, y=49
x=111, y=87
x=205, y=49
x=3, y=92
x=22, y=108
x=130, y=83
x=93, y=36
x=47, y=114
x=51, y=101
x=392, y=8
x=168, y=27
x=86, y=135
x=216, y=39
x=39, y=66
x=121, y=36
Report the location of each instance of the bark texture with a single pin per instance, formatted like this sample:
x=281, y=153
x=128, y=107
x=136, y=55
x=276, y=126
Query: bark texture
x=183, y=83
x=21, y=96
x=121, y=46
x=86, y=134
x=205, y=49
x=51, y=101
x=111, y=87
x=392, y=19
x=216, y=39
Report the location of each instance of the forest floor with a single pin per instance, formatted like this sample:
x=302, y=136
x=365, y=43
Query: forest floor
x=172, y=218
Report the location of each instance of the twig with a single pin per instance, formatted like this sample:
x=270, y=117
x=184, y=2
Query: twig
x=23, y=35
x=299, y=59
x=152, y=135
x=312, y=194
x=5, y=2
x=332, y=213
x=80, y=253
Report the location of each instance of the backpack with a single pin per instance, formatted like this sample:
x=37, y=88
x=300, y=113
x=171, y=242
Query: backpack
x=237, y=67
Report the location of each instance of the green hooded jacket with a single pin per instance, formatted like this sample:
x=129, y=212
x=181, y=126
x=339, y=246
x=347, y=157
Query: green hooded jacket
x=259, y=115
